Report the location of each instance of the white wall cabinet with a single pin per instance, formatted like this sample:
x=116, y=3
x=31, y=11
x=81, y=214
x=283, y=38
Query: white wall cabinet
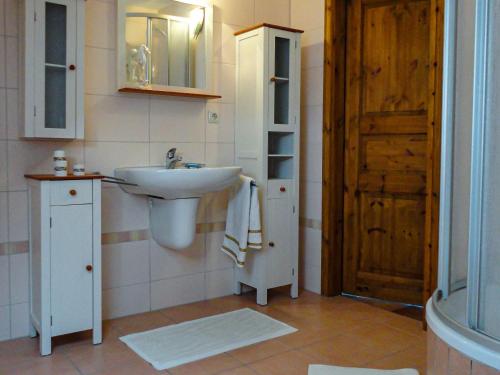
x=267, y=148
x=65, y=257
x=51, y=85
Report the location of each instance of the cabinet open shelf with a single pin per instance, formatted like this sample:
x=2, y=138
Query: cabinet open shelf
x=280, y=167
x=280, y=143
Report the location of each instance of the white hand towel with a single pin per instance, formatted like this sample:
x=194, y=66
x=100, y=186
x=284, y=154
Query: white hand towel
x=334, y=370
x=243, y=229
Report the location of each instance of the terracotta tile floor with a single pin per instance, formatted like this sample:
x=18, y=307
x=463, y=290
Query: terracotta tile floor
x=336, y=330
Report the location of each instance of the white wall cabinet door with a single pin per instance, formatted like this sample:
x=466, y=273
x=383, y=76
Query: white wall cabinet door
x=71, y=268
x=282, y=45
x=55, y=68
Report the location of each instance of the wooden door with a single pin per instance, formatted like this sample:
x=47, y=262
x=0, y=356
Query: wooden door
x=71, y=281
x=388, y=80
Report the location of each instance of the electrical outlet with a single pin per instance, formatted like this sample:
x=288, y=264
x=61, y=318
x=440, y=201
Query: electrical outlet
x=213, y=117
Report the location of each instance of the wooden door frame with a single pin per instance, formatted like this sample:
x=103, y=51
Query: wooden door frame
x=334, y=83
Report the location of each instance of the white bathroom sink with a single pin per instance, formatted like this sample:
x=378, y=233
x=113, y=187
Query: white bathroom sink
x=177, y=183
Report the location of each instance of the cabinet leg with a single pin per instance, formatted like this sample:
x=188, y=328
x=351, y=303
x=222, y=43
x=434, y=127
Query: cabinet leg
x=262, y=296
x=294, y=289
x=45, y=344
x=237, y=288
x=97, y=336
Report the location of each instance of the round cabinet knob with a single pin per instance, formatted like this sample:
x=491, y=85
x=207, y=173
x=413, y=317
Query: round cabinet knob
x=271, y=244
x=282, y=189
x=89, y=267
x=72, y=192
x=72, y=67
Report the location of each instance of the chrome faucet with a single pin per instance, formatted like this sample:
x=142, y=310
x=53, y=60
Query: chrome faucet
x=172, y=159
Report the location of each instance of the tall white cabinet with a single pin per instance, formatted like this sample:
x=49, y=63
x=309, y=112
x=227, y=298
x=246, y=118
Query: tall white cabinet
x=51, y=84
x=65, y=256
x=267, y=148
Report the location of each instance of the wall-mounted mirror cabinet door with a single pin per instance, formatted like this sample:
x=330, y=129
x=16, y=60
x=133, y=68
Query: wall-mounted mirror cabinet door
x=164, y=44
x=283, y=77
x=53, y=63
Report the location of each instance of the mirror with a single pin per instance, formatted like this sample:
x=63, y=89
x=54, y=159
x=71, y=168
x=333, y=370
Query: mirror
x=164, y=43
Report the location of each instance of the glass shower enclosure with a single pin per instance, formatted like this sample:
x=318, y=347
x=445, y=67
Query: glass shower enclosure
x=469, y=266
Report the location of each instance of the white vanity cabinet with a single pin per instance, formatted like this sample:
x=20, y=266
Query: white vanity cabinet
x=65, y=256
x=51, y=85
x=267, y=147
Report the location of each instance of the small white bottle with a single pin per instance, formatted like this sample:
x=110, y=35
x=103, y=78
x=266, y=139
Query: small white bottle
x=60, y=163
x=78, y=170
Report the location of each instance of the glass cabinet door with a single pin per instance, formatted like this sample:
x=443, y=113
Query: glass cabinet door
x=282, y=72
x=55, y=69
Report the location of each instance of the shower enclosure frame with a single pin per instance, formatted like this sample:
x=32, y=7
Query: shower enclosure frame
x=149, y=41
x=475, y=250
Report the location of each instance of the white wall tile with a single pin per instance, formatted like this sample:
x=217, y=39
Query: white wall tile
x=3, y=113
x=4, y=281
x=216, y=259
x=312, y=124
x=12, y=114
x=310, y=200
x=168, y=263
x=225, y=82
x=307, y=14
x=4, y=323
x=11, y=21
x=122, y=211
x=312, y=86
x=116, y=118
x=219, y=154
x=18, y=216
x=311, y=162
x=2, y=61
x=219, y=283
x=3, y=165
x=310, y=246
x=125, y=264
x=224, y=130
x=100, y=20
x=272, y=11
x=194, y=152
x=312, y=278
x=19, y=291
x=100, y=71
x=177, y=120
x=36, y=157
x=224, y=42
x=2, y=17
x=128, y=300
x=236, y=12
x=313, y=48
x=177, y=291
x=19, y=323
x=106, y=156
x=4, y=217
x=11, y=65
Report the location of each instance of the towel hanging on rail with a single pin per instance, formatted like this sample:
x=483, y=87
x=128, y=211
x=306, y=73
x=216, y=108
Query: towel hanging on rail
x=243, y=228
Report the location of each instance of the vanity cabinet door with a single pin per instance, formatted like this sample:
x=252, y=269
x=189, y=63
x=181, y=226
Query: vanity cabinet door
x=71, y=268
x=280, y=213
x=282, y=50
x=55, y=68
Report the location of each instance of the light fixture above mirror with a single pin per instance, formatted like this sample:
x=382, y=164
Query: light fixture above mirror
x=165, y=47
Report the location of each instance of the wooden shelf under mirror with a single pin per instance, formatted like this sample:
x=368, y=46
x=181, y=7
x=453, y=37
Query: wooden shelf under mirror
x=170, y=91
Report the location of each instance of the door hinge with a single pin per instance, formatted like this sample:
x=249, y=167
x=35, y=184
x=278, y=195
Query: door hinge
x=295, y=119
x=51, y=320
x=293, y=209
x=51, y=222
x=34, y=110
x=34, y=17
x=296, y=44
x=293, y=271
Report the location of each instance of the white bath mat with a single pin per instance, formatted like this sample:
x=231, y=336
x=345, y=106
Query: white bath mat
x=334, y=370
x=177, y=344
